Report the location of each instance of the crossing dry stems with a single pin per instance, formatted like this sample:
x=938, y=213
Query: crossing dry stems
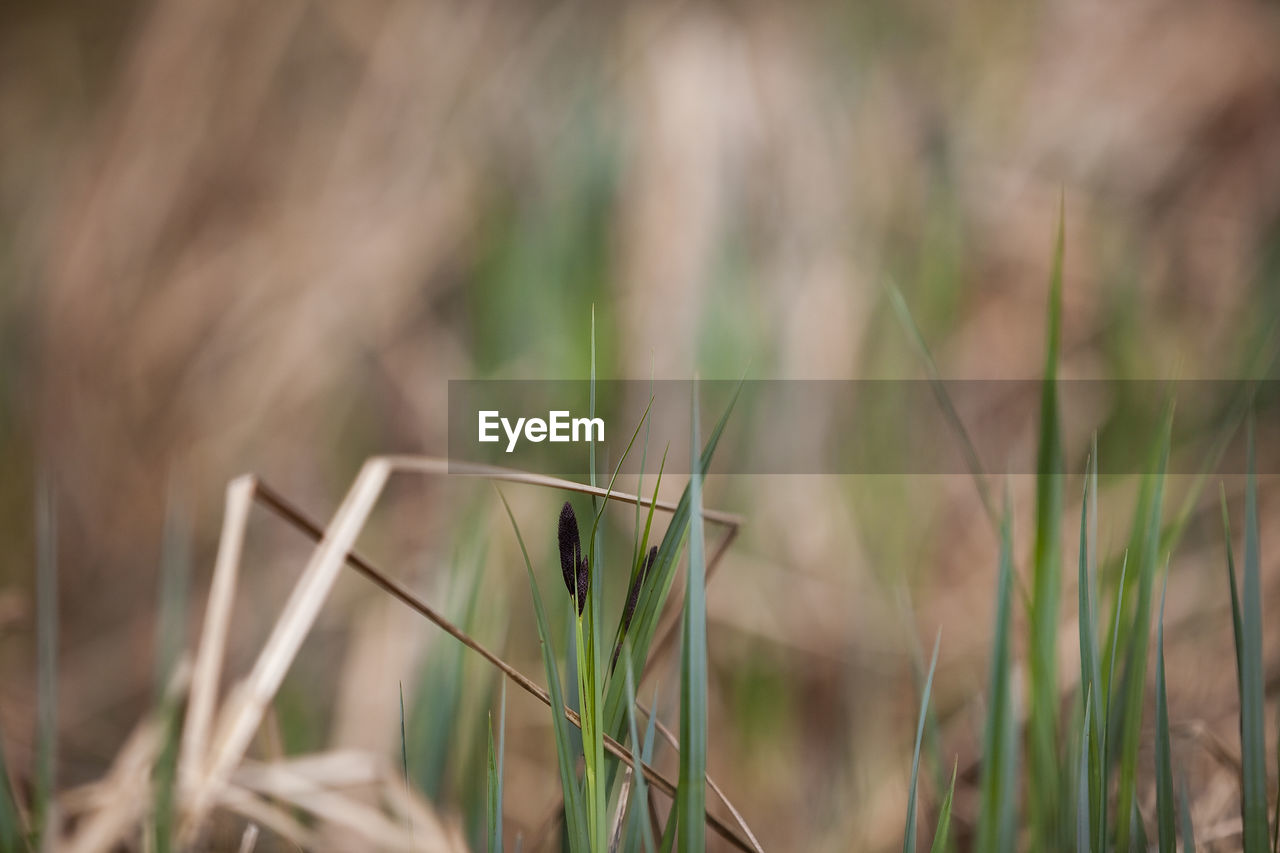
x=213, y=771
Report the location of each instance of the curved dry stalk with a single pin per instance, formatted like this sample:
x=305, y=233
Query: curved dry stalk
x=243, y=710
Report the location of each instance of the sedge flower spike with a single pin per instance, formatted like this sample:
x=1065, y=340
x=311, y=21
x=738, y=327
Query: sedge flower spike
x=633, y=597
x=573, y=566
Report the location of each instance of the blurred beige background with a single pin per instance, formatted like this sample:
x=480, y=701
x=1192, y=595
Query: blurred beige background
x=261, y=237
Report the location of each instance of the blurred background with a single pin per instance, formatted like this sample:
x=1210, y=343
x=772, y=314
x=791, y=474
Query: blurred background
x=257, y=237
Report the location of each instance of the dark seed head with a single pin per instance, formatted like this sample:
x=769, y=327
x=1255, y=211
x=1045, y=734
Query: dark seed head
x=570, y=550
x=633, y=597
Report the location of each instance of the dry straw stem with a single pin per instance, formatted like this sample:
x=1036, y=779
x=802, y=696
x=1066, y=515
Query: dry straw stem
x=250, y=838
x=258, y=811
x=207, y=770
x=311, y=784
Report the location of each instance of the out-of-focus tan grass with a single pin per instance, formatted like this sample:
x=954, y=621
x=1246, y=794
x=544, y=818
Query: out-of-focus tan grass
x=244, y=236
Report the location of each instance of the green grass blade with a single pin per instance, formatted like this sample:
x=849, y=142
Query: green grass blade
x=909, y=836
x=13, y=831
x=1084, y=797
x=638, y=560
x=494, y=802
x=1103, y=804
x=575, y=820
x=404, y=740
x=609, y=489
x=11, y=828
x=972, y=461
x=590, y=675
x=1136, y=658
x=1253, y=745
x=1138, y=829
x=1042, y=720
x=998, y=785
x=944, y=817
x=1090, y=669
x=1166, y=809
x=654, y=593
x=640, y=796
x=491, y=802
x=432, y=732
x=644, y=458
x=1188, y=829
x=691, y=794
x=641, y=813
x=669, y=832
x=1236, y=625
x=591, y=460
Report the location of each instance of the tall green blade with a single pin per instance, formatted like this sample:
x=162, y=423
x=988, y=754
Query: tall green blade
x=691, y=796
x=998, y=785
x=667, y=844
x=494, y=801
x=1046, y=583
x=1092, y=778
x=1084, y=797
x=11, y=829
x=404, y=740
x=1253, y=745
x=971, y=458
x=589, y=670
x=1136, y=658
x=1105, y=750
x=1237, y=626
x=944, y=817
x=640, y=809
x=574, y=819
x=1188, y=828
x=431, y=723
x=640, y=796
x=1166, y=809
x=909, y=837
x=654, y=593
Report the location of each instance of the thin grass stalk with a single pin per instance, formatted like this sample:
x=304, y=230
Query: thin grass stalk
x=1085, y=819
x=942, y=832
x=641, y=793
x=1253, y=746
x=909, y=836
x=1136, y=662
x=1166, y=808
x=997, y=785
x=1046, y=582
x=692, y=793
x=1090, y=669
